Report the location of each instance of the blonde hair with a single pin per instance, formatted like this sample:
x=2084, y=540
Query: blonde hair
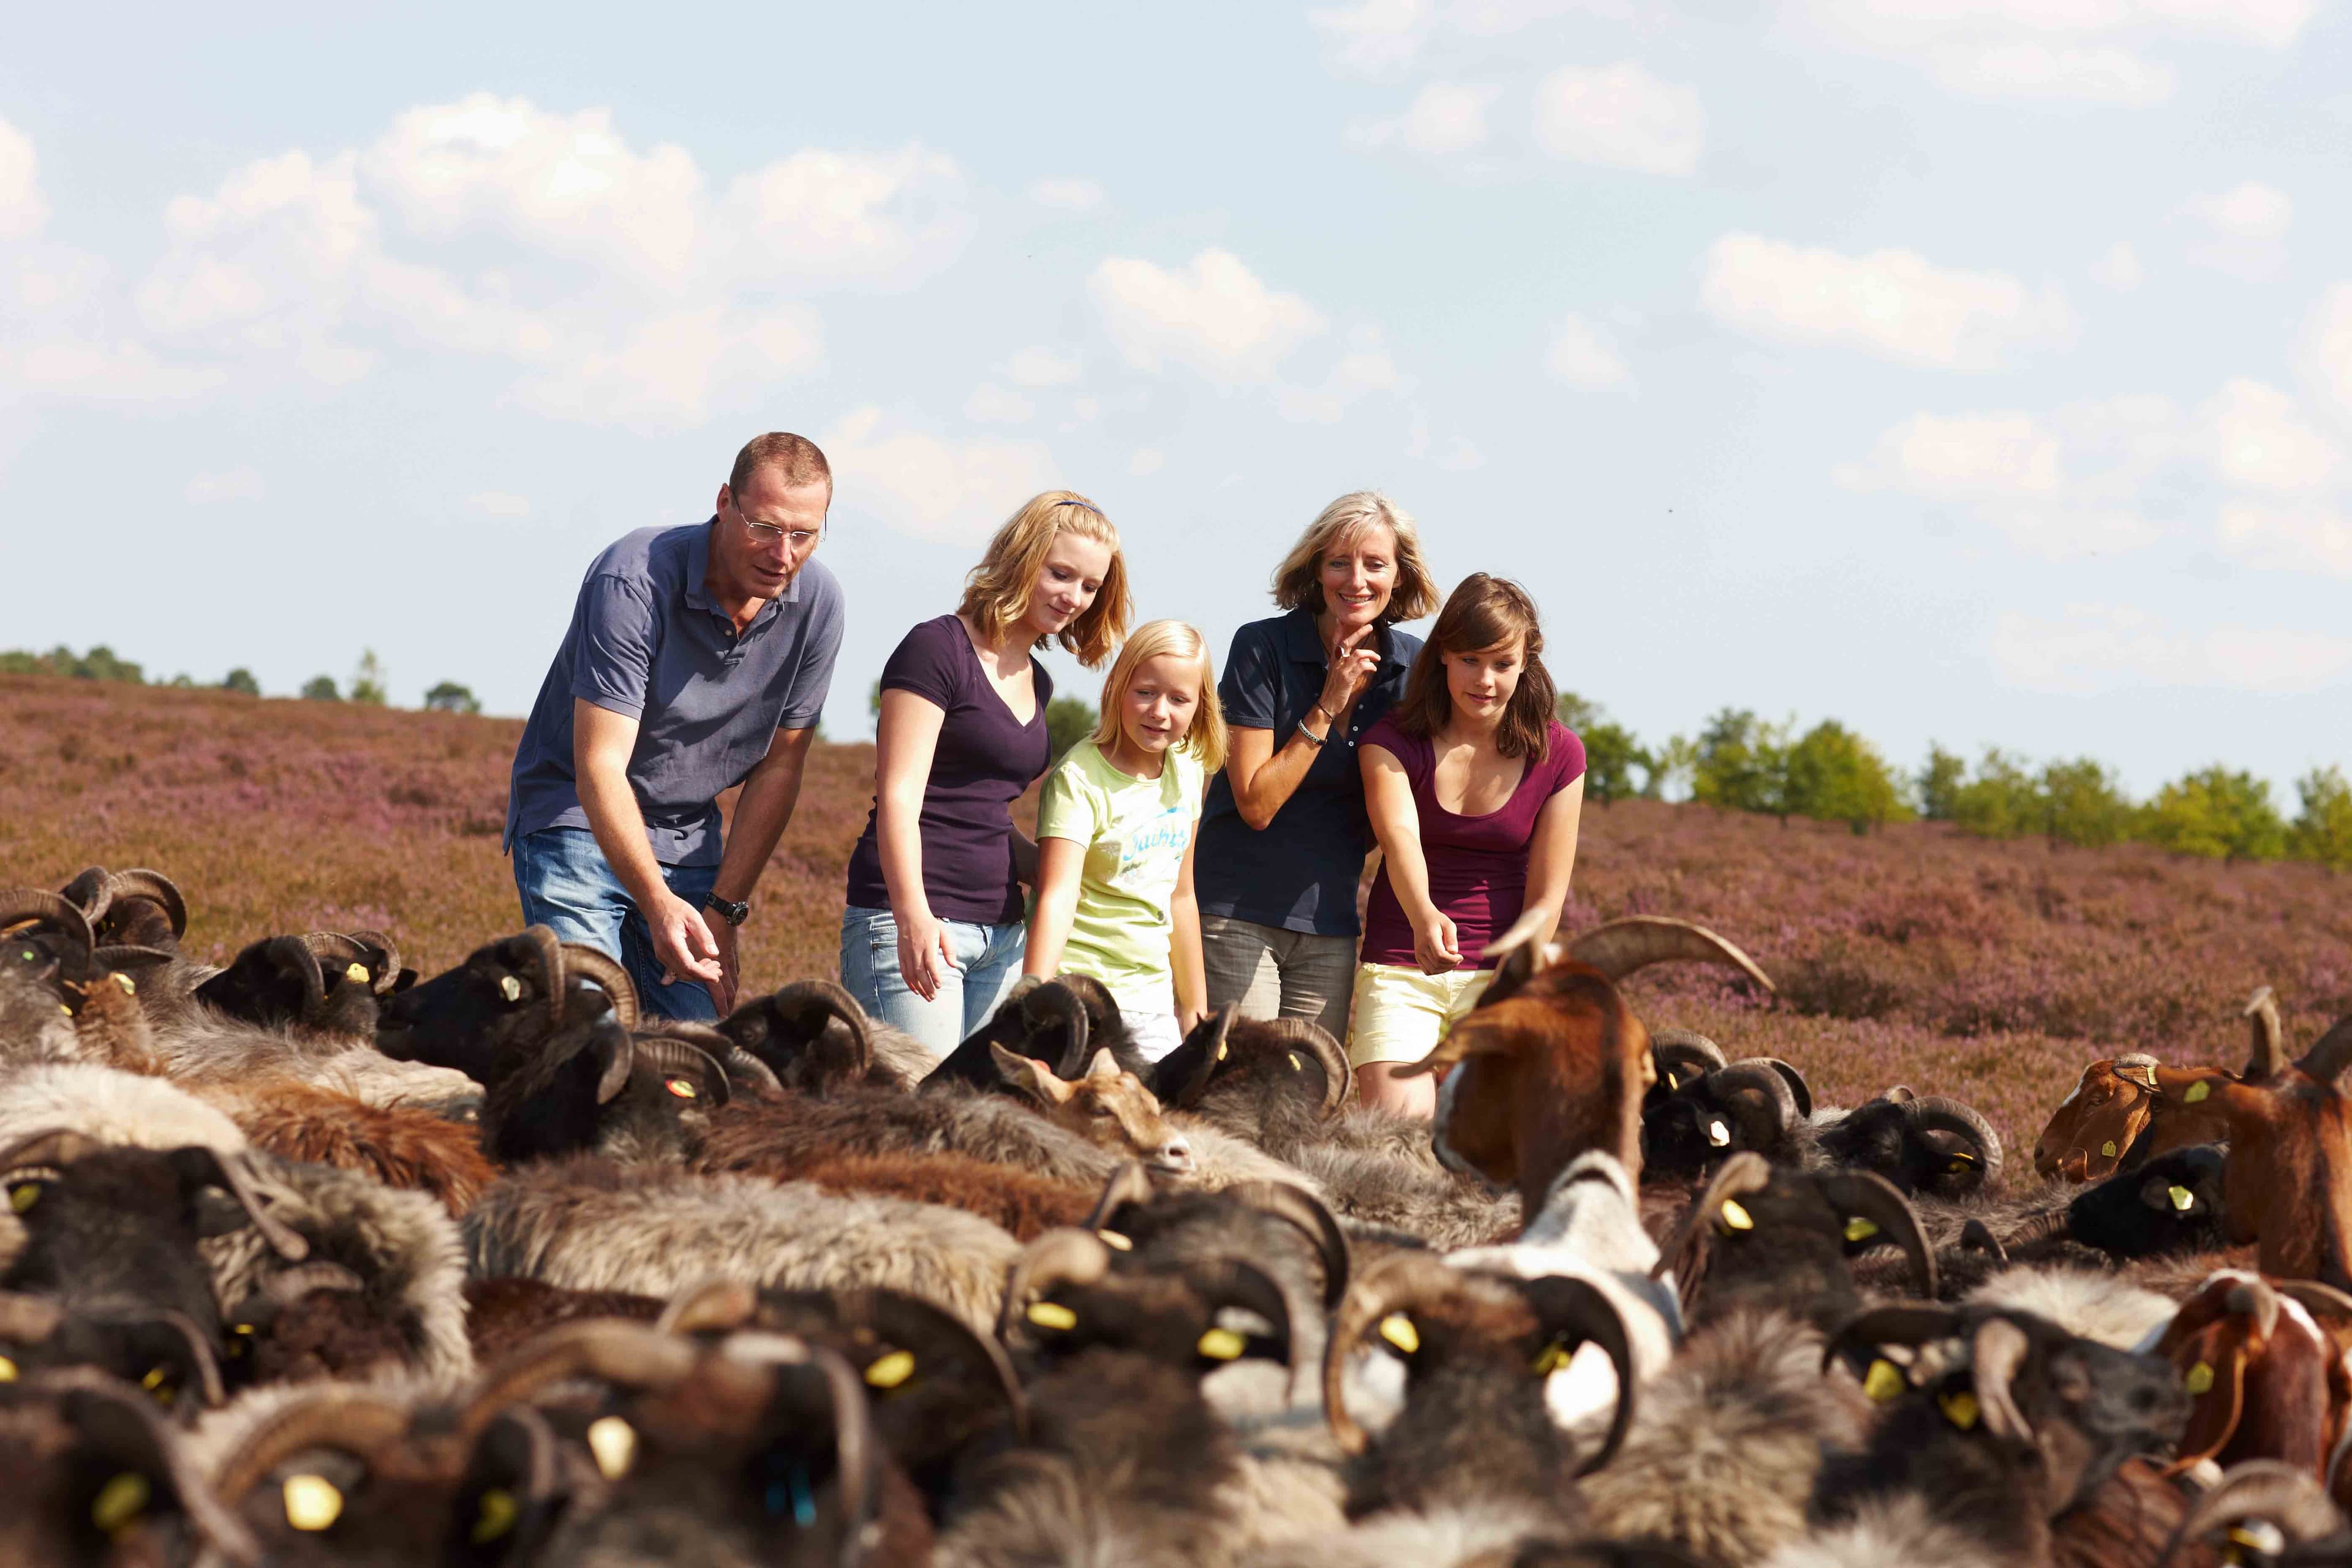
x=1206, y=739
x=996, y=592
x=1298, y=581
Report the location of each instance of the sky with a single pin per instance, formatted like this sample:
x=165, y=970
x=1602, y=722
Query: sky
x=1968, y=371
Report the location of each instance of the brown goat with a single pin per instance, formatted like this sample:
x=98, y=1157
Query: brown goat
x=2287, y=1181
x=2268, y=1377
x=1107, y=1106
x=1551, y=1063
x=2116, y=1103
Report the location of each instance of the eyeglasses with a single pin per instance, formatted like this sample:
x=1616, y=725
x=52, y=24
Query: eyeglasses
x=765, y=534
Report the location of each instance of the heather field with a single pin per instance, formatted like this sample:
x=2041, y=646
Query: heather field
x=1990, y=971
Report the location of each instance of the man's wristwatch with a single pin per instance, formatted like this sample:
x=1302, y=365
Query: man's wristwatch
x=732, y=913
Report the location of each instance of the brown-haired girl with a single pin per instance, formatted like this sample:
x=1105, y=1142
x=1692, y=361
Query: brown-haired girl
x=1474, y=788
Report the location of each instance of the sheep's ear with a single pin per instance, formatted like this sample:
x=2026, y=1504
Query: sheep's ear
x=1104, y=1068
x=1031, y=1077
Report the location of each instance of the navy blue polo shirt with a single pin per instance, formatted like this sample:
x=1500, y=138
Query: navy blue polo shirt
x=1298, y=873
x=646, y=640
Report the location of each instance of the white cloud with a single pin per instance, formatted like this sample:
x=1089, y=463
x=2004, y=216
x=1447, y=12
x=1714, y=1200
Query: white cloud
x=2325, y=351
x=2289, y=538
x=1443, y=117
x=498, y=504
x=1364, y=368
x=1375, y=37
x=2250, y=211
x=2094, y=648
x=1621, y=117
x=949, y=492
x=1892, y=303
x=23, y=208
x=1460, y=455
x=873, y=218
x=2119, y=268
x=1146, y=461
x=1068, y=195
x=993, y=405
x=232, y=484
x=2092, y=50
x=2260, y=440
x=1581, y=356
x=1213, y=315
x=1042, y=367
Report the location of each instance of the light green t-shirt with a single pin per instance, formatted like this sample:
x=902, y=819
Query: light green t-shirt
x=1135, y=831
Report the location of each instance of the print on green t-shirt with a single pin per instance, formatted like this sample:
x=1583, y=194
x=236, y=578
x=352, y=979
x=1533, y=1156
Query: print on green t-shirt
x=1135, y=831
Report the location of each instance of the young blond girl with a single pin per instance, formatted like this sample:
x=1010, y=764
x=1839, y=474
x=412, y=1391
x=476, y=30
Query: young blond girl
x=1116, y=826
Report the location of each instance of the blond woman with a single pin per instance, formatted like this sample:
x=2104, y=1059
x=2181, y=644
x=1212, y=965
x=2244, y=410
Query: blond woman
x=931, y=938
x=1283, y=833
x=1115, y=831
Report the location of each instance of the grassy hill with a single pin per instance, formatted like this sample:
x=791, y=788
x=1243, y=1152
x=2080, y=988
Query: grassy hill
x=1990, y=971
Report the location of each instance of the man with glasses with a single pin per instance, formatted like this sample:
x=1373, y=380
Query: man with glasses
x=697, y=660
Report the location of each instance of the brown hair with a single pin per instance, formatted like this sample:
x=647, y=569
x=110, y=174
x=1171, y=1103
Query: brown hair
x=797, y=455
x=1298, y=581
x=996, y=592
x=1484, y=612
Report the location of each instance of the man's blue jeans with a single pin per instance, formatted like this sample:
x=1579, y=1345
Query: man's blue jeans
x=568, y=886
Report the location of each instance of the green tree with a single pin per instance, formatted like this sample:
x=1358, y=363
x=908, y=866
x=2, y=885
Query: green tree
x=1832, y=775
x=1068, y=721
x=100, y=664
x=2218, y=814
x=240, y=679
x=322, y=688
x=1611, y=753
x=2323, y=830
x=448, y=697
x=874, y=701
x=1742, y=761
x=367, y=680
x=2083, y=804
x=1939, y=780
x=2002, y=801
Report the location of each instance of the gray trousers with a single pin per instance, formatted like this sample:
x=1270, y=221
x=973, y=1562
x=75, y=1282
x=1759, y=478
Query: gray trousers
x=1278, y=973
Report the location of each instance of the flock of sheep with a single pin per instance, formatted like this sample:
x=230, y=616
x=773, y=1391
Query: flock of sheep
x=310, y=1260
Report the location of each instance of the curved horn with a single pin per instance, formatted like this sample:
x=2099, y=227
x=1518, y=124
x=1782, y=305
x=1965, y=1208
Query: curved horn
x=620, y=1059
x=1284, y=1199
x=288, y=1286
x=1976, y=1236
x=1912, y=1323
x=88, y=893
x=1684, y=1256
x=50, y=1146
x=1623, y=946
x=388, y=974
x=20, y=906
x=629, y=1353
x=350, y=1420
x=230, y=1171
x=803, y=997
x=1130, y=1183
x=2266, y=1041
x=1762, y=1078
x=1237, y=1282
x=757, y=1073
x=667, y=1053
x=723, y=1052
x=1339, y=1076
x=548, y=948
x=82, y=1389
x=1799, y=1090
x=711, y=1303
x=141, y=883
x=1681, y=1055
x=1566, y=1303
x=853, y=1428
x=1058, y=1257
x=904, y=1319
x=1997, y=1351
x=2271, y=1490
x=2331, y=1055
x=1867, y=1194
x=201, y=1359
x=1398, y=1282
x=596, y=965
x=1939, y=1112
x=1052, y=1001
x=2041, y=1228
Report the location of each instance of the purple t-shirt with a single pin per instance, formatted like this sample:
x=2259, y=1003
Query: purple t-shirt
x=1477, y=864
x=984, y=759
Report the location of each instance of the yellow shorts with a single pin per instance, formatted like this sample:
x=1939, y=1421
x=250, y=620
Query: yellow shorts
x=1401, y=1013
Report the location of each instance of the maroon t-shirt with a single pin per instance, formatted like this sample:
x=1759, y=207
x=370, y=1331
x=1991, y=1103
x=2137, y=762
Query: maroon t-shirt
x=1477, y=864
x=984, y=759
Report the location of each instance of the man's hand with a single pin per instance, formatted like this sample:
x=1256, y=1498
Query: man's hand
x=722, y=994
x=684, y=944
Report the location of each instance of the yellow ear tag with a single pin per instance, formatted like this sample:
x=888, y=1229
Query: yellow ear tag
x=65, y=1010
x=312, y=1504
x=891, y=1369
x=1717, y=1133
x=1960, y=1409
x=2199, y=1378
x=2195, y=1092
x=1554, y=1357
x=1961, y=1161
x=1222, y=1344
x=2183, y=1200
x=358, y=972
x=1052, y=1315
x=1884, y=1381
x=495, y=1517
x=1737, y=1218
x=1115, y=1241
x=1296, y=1065
x=2259, y=1536
x=24, y=1196
x=682, y=1088
x=1860, y=1229
x=129, y=986
x=613, y=1442
x=120, y=1501
x=2107, y=1150
x=7, y=1370
x=510, y=988
x=1398, y=1330
x=1221, y=1050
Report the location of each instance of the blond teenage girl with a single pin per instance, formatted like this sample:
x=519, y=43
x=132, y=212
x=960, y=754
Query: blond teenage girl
x=1116, y=827
x=931, y=938
x=1475, y=790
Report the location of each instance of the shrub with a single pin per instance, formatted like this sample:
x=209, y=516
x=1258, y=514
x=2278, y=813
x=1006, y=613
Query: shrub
x=1611, y=752
x=1068, y=721
x=98, y=664
x=1940, y=781
x=322, y=688
x=2083, y=804
x=2323, y=831
x=2002, y=801
x=1835, y=775
x=448, y=697
x=367, y=681
x=2217, y=813
x=1742, y=762
x=240, y=681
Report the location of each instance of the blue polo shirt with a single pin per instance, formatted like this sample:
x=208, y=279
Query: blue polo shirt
x=646, y=640
x=1300, y=873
